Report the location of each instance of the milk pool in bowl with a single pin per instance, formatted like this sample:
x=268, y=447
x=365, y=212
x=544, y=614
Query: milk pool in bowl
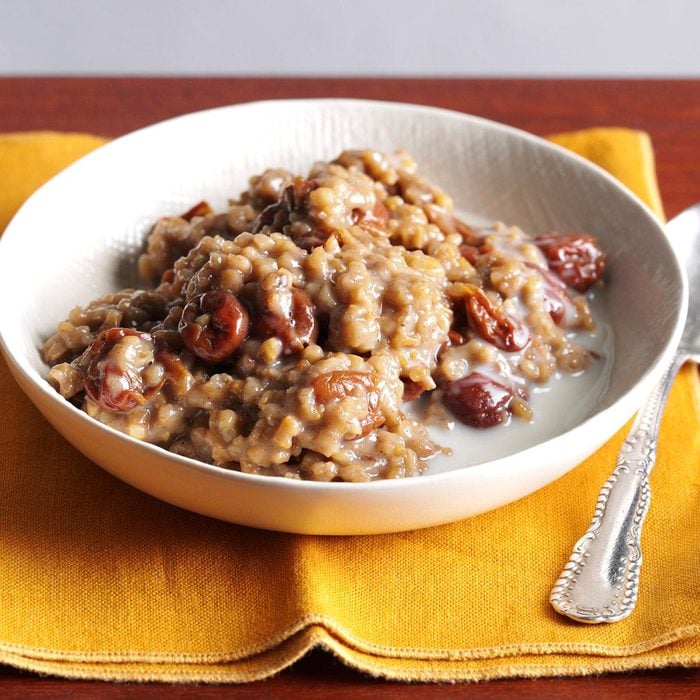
x=558, y=405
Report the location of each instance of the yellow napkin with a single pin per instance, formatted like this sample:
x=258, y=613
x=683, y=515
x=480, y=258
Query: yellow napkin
x=100, y=581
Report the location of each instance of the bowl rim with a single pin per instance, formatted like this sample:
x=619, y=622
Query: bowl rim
x=19, y=362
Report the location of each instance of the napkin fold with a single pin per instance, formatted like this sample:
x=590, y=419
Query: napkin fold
x=98, y=580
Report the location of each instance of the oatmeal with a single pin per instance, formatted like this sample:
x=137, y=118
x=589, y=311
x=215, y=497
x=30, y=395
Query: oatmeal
x=285, y=335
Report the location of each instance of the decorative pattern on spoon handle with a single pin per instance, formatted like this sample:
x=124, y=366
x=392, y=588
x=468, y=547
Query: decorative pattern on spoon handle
x=600, y=582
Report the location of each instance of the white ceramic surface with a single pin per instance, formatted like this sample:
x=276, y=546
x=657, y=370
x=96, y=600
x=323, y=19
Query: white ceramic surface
x=78, y=236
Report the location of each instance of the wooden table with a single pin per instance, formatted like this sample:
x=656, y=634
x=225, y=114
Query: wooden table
x=668, y=109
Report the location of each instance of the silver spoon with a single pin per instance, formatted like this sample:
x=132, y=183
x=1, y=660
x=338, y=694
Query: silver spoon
x=600, y=582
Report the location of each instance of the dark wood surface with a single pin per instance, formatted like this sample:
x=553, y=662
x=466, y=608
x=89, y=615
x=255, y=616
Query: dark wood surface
x=668, y=109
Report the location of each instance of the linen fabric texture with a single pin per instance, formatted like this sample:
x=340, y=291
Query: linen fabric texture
x=98, y=580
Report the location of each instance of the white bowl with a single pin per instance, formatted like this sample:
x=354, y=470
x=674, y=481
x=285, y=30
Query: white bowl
x=77, y=237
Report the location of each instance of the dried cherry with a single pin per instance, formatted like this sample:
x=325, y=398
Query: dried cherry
x=468, y=234
x=492, y=323
x=341, y=384
x=214, y=324
x=576, y=258
x=288, y=314
x=411, y=390
x=478, y=400
x=469, y=252
x=200, y=209
x=374, y=219
x=291, y=208
x=113, y=386
x=557, y=301
x=453, y=339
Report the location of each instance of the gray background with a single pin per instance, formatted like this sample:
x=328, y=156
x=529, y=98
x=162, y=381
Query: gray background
x=343, y=37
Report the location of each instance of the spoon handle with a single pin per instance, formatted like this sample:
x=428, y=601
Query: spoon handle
x=601, y=580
